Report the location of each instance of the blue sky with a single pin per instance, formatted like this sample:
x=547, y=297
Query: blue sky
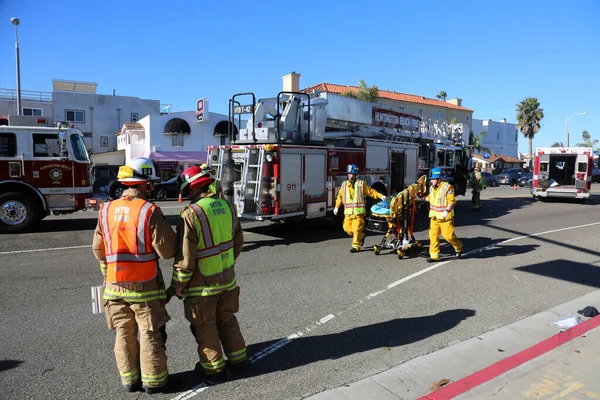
x=492, y=54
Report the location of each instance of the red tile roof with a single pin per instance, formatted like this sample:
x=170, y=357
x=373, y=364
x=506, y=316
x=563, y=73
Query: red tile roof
x=507, y=159
x=386, y=94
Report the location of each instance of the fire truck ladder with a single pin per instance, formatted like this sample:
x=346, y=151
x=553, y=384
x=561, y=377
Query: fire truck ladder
x=253, y=169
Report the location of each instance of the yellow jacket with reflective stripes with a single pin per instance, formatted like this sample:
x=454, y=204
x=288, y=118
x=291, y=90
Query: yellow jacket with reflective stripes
x=347, y=194
x=439, y=199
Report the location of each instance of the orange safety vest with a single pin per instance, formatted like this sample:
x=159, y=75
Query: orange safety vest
x=130, y=257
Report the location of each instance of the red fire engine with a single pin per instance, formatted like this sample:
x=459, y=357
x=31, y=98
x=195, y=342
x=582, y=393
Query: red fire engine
x=290, y=160
x=43, y=169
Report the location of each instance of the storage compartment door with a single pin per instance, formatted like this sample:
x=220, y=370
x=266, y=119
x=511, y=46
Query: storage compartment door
x=314, y=175
x=290, y=195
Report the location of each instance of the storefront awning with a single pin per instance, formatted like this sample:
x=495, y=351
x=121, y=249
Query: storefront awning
x=189, y=157
x=177, y=126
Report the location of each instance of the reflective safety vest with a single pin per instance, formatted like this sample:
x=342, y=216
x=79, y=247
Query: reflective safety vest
x=130, y=257
x=215, y=224
x=437, y=200
x=356, y=204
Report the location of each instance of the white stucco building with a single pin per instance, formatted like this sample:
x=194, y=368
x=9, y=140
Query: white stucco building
x=502, y=137
x=98, y=116
x=174, y=140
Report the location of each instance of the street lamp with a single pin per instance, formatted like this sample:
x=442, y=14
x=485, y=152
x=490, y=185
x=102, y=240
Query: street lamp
x=567, y=136
x=15, y=22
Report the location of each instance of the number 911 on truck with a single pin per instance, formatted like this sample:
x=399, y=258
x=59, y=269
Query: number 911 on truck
x=290, y=159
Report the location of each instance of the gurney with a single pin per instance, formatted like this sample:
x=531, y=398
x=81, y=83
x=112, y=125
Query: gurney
x=396, y=218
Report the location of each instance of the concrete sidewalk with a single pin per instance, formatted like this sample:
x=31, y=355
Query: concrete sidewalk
x=529, y=359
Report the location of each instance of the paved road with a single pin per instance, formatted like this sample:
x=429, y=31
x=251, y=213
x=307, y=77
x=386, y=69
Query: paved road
x=346, y=316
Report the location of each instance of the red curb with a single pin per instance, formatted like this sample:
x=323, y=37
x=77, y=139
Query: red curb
x=465, y=384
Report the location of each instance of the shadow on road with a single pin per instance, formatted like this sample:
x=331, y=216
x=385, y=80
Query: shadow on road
x=5, y=365
x=571, y=271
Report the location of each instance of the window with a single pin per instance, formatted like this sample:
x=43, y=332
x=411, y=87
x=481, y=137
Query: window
x=420, y=111
x=33, y=111
x=450, y=158
x=45, y=145
x=134, y=117
x=516, y=137
x=401, y=108
x=176, y=140
x=468, y=117
x=79, y=150
x=441, y=157
x=498, y=136
x=8, y=145
x=103, y=141
x=75, y=115
x=581, y=167
x=438, y=114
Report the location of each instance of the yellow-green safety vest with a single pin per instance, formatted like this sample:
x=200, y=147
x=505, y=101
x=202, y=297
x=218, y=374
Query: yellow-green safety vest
x=215, y=223
x=438, y=203
x=357, y=204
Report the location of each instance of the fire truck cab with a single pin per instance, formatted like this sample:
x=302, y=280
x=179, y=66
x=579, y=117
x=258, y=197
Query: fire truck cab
x=43, y=169
x=562, y=173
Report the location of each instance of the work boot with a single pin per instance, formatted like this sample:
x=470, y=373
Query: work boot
x=433, y=260
x=240, y=368
x=215, y=379
x=353, y=250
x=458, y=254
x=155, y=389
x=133, y=387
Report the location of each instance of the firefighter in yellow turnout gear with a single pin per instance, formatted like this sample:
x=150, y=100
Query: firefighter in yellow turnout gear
x=352, y=195
x=210, y=240
x=131, y=235
x=441, y=216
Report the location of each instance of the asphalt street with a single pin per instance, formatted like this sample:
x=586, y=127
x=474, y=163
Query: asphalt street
x=314, y=316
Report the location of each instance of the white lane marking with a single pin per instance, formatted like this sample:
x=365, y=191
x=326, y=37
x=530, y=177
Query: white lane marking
x=283, y=342
x=48, y=249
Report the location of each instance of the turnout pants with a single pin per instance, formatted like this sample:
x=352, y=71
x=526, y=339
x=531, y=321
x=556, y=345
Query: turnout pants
x=149, y=354
x=354, y=225
x=476, y=199
x=446, y=228
x=215, y=324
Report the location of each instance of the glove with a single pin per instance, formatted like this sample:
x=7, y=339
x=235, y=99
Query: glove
x=383, y=198
x=444, y=215
x=335, y=211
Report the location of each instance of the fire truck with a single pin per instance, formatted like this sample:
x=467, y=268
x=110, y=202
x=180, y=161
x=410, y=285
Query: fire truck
x=43, y=169
x=562, y=172
x=290, y=159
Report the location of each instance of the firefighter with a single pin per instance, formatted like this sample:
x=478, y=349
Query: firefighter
x=441, y=215
x=353, y=194
x=131, y=235
x=210, y=239
x=477, y=184
x=216, y=186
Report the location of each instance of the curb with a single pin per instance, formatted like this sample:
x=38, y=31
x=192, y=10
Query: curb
x=465, y=384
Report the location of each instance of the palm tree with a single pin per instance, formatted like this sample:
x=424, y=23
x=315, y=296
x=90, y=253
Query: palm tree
x=363, y=92
x=557, y=144
x=442, y=95
x=477, y=144
x=587, y=140
x=529, y=115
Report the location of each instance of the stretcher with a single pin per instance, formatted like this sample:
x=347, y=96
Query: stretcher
x=396, y=218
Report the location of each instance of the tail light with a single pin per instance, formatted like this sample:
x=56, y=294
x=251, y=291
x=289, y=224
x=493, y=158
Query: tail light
x=580, y=176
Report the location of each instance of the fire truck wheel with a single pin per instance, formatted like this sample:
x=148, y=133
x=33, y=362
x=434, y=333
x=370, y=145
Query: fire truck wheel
x=17, y=212
x=116, y=189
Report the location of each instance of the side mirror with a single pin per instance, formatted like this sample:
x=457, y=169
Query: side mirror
x=62, y=144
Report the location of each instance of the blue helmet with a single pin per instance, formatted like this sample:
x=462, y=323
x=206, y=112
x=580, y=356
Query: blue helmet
x=352, y=169
x=436, y=173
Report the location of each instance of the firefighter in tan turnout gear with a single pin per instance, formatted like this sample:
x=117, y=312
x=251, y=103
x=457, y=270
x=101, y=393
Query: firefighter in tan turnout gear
x=210, y=238
x=131, y=235
x=353, y=195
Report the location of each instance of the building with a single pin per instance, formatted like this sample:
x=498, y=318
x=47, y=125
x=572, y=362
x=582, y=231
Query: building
x=174, y=141
x=496, y=164
x=97, y=116
x=501, y=137
x=430, y=110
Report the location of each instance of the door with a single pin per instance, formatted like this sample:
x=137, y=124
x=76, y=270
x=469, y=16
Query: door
x=397, y=171
x=544, y=175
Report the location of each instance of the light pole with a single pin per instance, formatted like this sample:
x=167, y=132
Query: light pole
x=567, y=136
x=15, y=22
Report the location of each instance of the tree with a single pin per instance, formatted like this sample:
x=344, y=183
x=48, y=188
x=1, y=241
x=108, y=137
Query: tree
x=529, y=115
x=363, y=92
x=442, y=95
x=587, y=140
x=557, y=144
x=477, y=144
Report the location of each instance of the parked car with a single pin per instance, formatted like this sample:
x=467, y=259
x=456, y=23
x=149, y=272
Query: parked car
x=510, y=176
x=490, y=180
x=101, y=178
x=526, y=180
x=167, y=190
